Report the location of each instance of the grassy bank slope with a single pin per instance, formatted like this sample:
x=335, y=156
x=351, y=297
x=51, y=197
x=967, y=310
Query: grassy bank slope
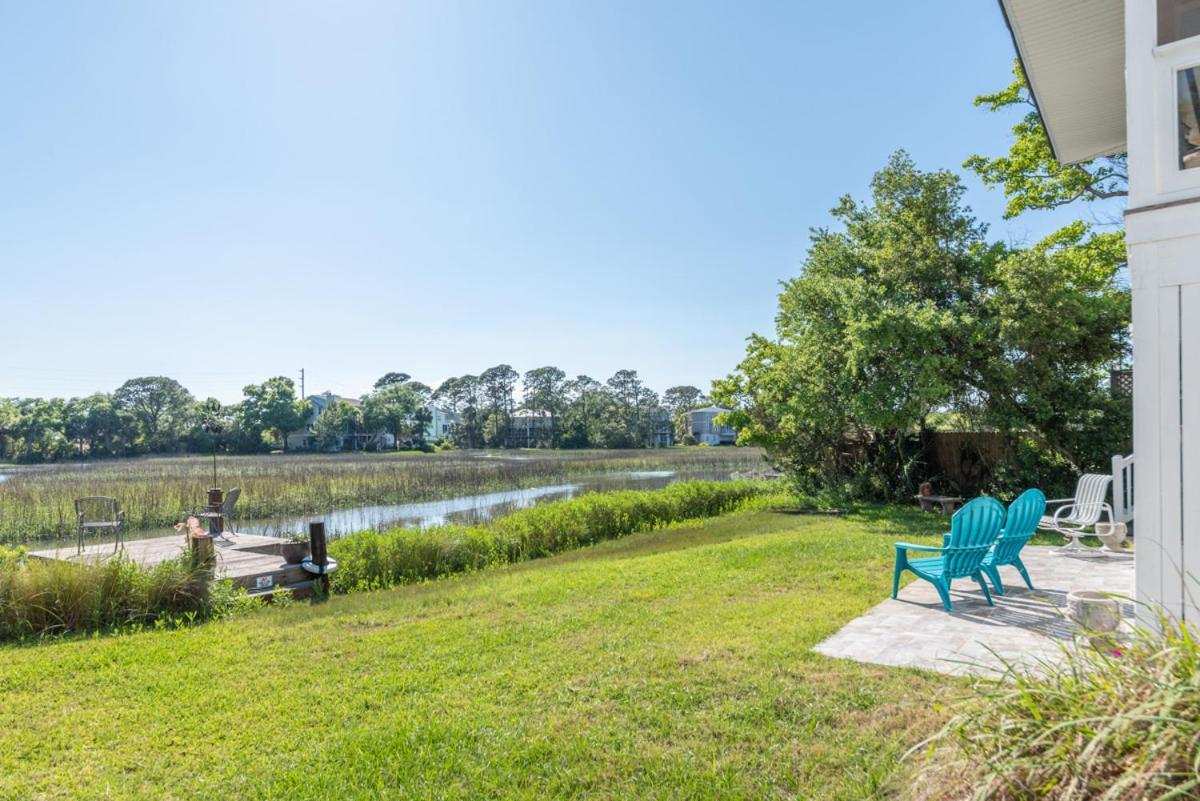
x=665, y=665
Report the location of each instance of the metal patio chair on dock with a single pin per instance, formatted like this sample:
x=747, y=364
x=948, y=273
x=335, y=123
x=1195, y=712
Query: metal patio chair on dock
x=98, y=515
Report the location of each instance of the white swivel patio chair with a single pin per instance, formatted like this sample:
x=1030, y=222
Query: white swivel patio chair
x=1078, y=514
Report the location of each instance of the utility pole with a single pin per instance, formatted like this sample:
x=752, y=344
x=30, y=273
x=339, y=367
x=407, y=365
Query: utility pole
x=302, y=395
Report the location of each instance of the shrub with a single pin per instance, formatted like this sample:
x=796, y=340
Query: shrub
x=40, y=598
x=1116, y=723
x=370, y=560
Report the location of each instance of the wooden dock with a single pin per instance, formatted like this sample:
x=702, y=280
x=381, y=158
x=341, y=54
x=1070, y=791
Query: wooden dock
x=248, y=560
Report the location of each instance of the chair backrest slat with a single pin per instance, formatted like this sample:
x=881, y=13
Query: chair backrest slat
x=1020, y=524
x=231, y=499
x=973, y=530
x=1090, y=494
x=97, y=509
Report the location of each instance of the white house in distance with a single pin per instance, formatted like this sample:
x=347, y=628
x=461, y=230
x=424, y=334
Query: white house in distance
x=439, y=425
x=1112, y=76
x=530, y=428
x=702, y=423
x=304, y=439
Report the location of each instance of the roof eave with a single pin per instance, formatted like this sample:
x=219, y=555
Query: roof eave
x=1028, y=80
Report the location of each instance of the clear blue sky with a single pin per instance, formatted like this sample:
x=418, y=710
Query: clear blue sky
x=225, y=191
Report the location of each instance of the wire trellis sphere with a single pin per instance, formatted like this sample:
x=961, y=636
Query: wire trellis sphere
x=213, y=423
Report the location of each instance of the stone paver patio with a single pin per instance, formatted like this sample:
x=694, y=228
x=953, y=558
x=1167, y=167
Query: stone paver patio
x=1025, y=626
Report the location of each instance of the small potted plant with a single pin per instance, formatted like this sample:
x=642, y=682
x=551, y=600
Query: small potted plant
x=295, y=549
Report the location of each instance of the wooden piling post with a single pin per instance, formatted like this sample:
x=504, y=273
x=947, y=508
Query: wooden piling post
x=318, y=554
x=203, y=553
x=216, y=501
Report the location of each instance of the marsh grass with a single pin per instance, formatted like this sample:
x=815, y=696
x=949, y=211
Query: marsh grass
x=36, y=505
x=1118, y=721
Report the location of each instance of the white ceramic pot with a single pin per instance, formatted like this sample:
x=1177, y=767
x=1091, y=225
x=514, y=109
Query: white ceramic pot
x=1112, y=535
x=1094, y=610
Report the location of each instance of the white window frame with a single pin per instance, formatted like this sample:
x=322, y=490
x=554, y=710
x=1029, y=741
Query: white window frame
x=1169, y=59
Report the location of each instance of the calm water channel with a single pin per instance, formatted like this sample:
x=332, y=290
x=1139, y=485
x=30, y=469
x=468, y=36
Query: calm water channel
x=466, y=509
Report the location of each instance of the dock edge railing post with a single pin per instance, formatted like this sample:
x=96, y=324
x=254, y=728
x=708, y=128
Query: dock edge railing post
x=318, y=553
x=216, y=500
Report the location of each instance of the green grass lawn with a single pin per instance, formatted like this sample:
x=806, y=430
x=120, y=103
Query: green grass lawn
x=674, y=664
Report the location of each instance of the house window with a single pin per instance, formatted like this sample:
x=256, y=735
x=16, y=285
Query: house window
x=1187, y=95
x=1178, y=19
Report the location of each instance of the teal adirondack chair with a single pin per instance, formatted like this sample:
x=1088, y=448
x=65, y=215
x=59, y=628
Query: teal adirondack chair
x=973, y=531
x=1023, y=516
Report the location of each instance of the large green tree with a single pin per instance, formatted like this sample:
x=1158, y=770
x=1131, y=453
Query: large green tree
x=907, y=309
x=95, y=424
x=634, y=406
x=272, y=406
x=586, y=404
x=398, y=409
x=545, y=391
x=40, y=429
x=678, y=401
x=462, y=396
x=387, y=379
x=337, y=421
x=160, y=408
x=877, y=331
x=1060, y=357
x=498, y=384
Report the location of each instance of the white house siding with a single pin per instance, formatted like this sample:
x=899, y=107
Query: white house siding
x=1164, y=258
x=1065, y=47
x=1163, y=238
x=440, y=423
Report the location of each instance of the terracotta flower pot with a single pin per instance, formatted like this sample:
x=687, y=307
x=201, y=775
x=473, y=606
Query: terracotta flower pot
x=294, y=552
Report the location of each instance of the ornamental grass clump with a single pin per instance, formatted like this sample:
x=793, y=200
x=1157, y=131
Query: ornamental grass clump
x=1116, y=722
x=40, y=598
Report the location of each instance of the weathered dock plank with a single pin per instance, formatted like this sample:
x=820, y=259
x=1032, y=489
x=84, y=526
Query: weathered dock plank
x=249, y=560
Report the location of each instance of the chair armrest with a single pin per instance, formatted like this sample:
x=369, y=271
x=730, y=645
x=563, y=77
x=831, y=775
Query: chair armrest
x=908, y=546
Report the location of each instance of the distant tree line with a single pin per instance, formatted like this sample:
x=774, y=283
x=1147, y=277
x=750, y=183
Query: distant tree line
x=156, y=414
x=561, y=412
x=150, y=414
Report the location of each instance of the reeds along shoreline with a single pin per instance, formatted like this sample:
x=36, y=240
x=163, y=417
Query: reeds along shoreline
x=154, y=492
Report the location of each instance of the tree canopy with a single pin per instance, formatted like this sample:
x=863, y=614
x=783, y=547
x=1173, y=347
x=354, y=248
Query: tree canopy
x=161, y=407
x=1029, y=174
x=906, y=309
x=272, y=406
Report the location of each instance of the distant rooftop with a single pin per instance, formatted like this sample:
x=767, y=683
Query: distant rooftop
x=531, y=413
x=713, y=409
